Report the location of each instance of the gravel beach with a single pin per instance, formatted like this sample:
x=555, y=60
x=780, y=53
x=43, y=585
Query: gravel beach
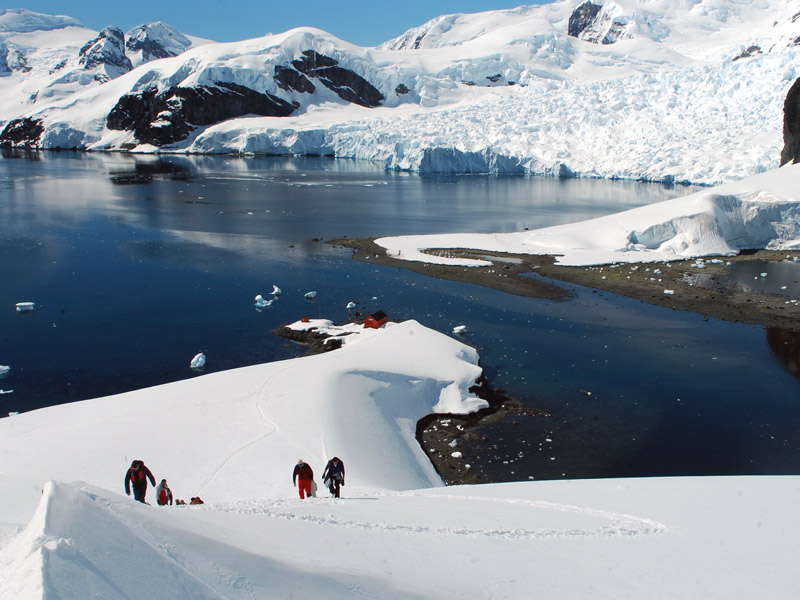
x=703, y=286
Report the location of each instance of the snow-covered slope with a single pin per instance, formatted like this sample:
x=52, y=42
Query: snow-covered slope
x=762, y=211
x=232, y=438
x=46, y=58
x=673, y=90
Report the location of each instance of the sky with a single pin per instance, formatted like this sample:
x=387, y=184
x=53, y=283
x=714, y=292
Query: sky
x=361, y=22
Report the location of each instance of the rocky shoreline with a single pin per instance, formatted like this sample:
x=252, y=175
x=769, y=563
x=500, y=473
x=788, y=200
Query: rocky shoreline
x=705, y=287
x=702, y=286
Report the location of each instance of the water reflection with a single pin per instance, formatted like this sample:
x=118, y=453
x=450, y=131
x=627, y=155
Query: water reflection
x=773, y=277
x=786, y=347
x=134, y=280
x=144, y=172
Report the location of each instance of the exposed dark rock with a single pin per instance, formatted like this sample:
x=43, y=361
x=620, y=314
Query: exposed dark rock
x=168, y=117
x=12, y=58
x=582, y=17
x=156, y=40
x=288, y=79
x=791, y=125
x=401, y=89
x=418, y=41
x=4, y=68
x=60, y=65
x=494, y=78
x=349, y=86
x=108, y=48
x=151, y=49
x=748, y=52
x=615, y=32
x=22, y=132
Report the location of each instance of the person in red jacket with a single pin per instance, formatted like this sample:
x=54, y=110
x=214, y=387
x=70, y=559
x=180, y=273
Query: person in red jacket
x=302, y=478
x=138, y=474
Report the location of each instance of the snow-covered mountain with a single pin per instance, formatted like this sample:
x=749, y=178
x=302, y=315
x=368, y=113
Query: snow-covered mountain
x=46, y=58
x=673, y=90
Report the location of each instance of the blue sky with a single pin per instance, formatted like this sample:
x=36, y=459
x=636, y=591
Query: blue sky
x=366, y=23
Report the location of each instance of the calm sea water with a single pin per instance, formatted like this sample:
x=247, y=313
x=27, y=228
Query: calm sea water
x=138, y=263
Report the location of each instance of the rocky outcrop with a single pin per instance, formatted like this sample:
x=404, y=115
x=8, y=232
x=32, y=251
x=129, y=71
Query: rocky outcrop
x=607, y=23
x=346, y=84
x=289, y=80
x=748, y=52
x=583, y=16
x=791, y=125
x=107, y=49
x=155, y=40
x=161, y=118
x=4, y=68
x=22, y=132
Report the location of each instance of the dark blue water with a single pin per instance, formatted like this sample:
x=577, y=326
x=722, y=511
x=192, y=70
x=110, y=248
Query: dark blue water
x=137, y=264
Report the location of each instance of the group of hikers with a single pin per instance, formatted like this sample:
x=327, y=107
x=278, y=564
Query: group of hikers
x=302, y=478
x=332, y=477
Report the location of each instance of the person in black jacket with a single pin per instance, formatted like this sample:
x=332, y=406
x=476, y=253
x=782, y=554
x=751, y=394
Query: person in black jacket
x=138, y=474
x=333, y=475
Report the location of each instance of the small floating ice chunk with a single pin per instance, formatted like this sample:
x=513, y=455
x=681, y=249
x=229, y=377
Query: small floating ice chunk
x=459, y=329
x=310, y=295
x=276, y=291
x=4, y=369
x=763, y=274
x=351, y=305
x=25, y=306
x=13, y=413
x=7, y=392
x=456, y=454
x=261, y=302
x=669, y=292
x=199, y=361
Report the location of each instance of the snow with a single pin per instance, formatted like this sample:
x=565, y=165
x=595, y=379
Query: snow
x=674, y=99
x=232, y=438
x=644, y=109
x=762, y=211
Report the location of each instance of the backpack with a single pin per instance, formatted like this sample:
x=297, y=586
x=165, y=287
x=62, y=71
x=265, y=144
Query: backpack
x=162, y=496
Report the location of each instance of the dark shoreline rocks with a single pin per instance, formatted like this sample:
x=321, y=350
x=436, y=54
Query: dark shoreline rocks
x=440, y=435
x=437, y=432
x=538, y=276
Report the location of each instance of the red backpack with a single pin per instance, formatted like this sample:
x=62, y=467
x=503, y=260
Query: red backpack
x=162, y=497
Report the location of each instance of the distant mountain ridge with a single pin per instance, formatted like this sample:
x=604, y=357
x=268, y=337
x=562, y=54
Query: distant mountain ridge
x=154, y=88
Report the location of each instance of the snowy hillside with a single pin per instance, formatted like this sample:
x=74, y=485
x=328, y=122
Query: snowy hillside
x=759, y=212
x=45, y=58
x=232, y=438
x=672, y=90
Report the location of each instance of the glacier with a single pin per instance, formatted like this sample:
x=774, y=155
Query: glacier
x=671, y=91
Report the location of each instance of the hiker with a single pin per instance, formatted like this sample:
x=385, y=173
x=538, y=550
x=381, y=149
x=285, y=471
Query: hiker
x=163, y=494
x=138, y=474
x=302, y=478
x=333, y=475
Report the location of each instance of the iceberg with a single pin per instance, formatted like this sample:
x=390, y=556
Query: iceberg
x=199, y=361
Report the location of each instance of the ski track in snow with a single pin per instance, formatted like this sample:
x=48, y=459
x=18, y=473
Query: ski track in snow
x=620, y=525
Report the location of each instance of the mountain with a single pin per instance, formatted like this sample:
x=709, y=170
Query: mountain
x=45, y=58
x=668, y=90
